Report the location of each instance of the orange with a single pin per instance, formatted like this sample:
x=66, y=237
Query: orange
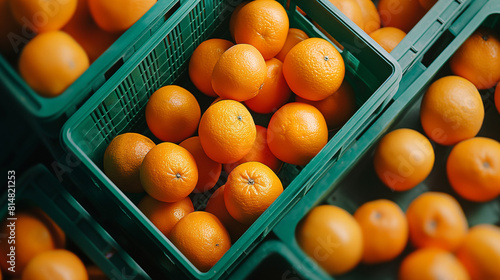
x=264, y=25
x=431, y=264
x=168, y=172
x=52, y=61
x=32, y=237
x=370, y=15
x=427, y=4
x=85, y=31
x=314, y=69
x=260, y=152
x=239, y=73
x=275, y=91
x=58, y=264
x=337, y=108
x=478, y=59
x=473, y=169
x=402, y=14
x=385, y=230
x=497, y=97
x=251, y=188
x=118, y=15
x=202, y=62
x=293, y=37
x=217, y=206
x=202, y=238
x=480, y=252
x=227, y=131
x=451, y=110
x=403, y=159
x=332, y=237
x=436, y=220
x=57, y=233
x=165, y=215
x=234, y=16
x=8, y=29
x=352, y=10
x=208, y=169
x=123, y=158
x=173, y=113
x=296, y=133
x=95, y=273
x=43, y=16
x=388, y=37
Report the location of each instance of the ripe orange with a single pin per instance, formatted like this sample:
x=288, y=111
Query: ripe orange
x=478, y=59
x=43, y=16
x=436, y=220
x=337, y=108
x=172, y=113
x=403, y=159
x=202, y=62
x=85, y=31
x=57, y=233
x=370, y=15
x=227, y=131
x=58, y=264
x=32, y=237
x=473, y=169
x=123, y=158
x=385, y=230
x=260, y=152
x=402, y=14
x=427, y=4
x=239, y=73
x=388, y=37
x=332, y=237
x=480, y=252
x=118, y=15
x=497, y=97
x=52, y=61
x=293, y=37
x=264, y=25
x=168, y=172
x=165, y=215
x=202, y=238
x=95, y=273
x=250, y=189
x=431, y=264
x=352, y=10
x=314, y=69
x=275, y=91
x=296, y=133
x=217, y=206
x=208, y=169
x=451, y=110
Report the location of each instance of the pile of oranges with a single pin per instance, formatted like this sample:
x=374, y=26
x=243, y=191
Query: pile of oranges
x=41, y=251
x=55, y=41
x=443, y=245
x=389, y=21
x=258, y=72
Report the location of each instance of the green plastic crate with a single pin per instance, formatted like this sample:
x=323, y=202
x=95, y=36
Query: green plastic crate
x=353, y=181
x=272, y=260
x=49, y=114
x=118, y=107
x=37, y=187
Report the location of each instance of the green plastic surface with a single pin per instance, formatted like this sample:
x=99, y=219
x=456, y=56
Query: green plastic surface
x=49, y=114
x=37, y=187
x=353, y=181
x=118, y=107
